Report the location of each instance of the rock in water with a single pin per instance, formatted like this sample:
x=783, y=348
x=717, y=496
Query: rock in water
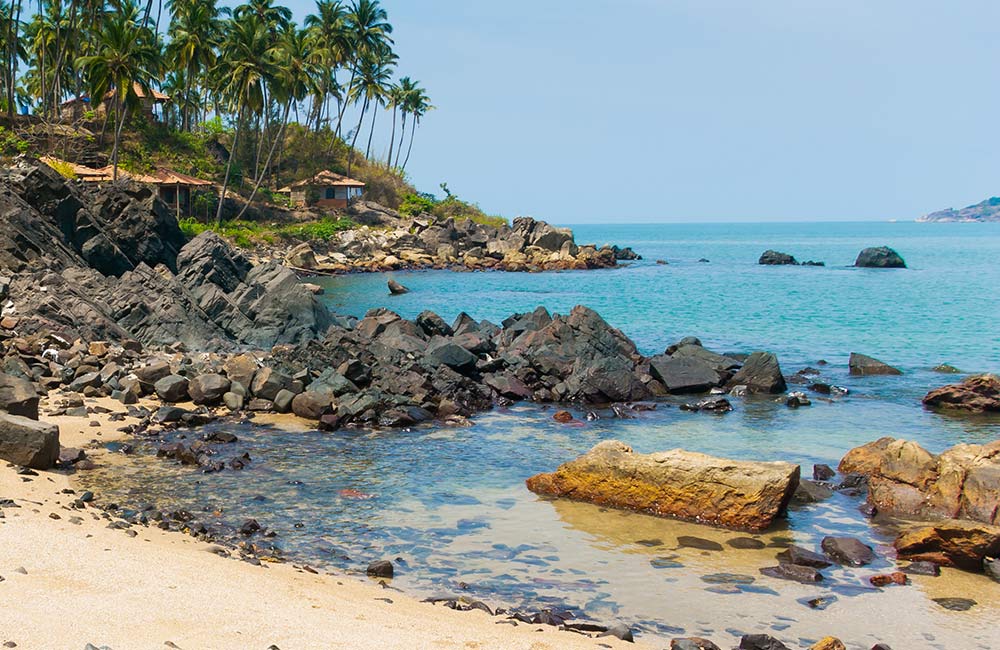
x=760, y=374
x=380, y=569
x=28, y=442
x=848, y=551
x=882, y=257
x=978, y=394
x=677, y=483
x=18, y=396
x=862, y=365
x=684, y=374
x=761, y=642
x=774, y=258
x=396, y=288
x=961, y=544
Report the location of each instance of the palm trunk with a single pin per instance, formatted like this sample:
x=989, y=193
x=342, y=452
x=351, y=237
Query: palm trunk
x=120, y=107
x=270, y=154
x=410, y=148
x=343, y=105
x=229, y=165
x=392, y=138
x=350, y=154
x=368, y=149
x=402, y=136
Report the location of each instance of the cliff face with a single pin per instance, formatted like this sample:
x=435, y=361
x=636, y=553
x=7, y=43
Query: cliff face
x=112, y=264
x=986, y=211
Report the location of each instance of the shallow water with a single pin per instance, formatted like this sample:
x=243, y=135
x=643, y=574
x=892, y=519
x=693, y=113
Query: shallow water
x=451, y=503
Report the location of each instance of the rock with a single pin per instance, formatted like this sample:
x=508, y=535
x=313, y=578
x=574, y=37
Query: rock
x=847, y=551
x=828, y=643
x=700, y=543
x=862, y=365
x=922, y=569
x=978, y=394
x=746, y=543
x=380, y=569
x=692, y=643
x=267, y=383
x=774, y=258
x=802, y=557
x=822, y=472
x=761, y=642
x=301, y=256
x=18, y=396
x=208, y=389
x=991, y=567
x=312, y=404
x=149, y=374
x=28, y=443
x=167, y=414
x=241, y=369
x=882, y=257
x=956, y=604
x=865, y=459
x=760, y=374
x=172, y=388
x=796, y=399
x=396, y=289
x=441, y=351
x=886, y=579
x=946, y=369
x=562, y=416
x=716, y=404
x=619, y=631
x=812, y=492
x=233, y=401
x=957, y=543
x=684, y=374
x=677, y=483
x=803, y=574
x=283, y=401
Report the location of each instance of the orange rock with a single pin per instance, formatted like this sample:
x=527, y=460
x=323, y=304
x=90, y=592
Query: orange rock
x=829, y=643
x=895, y=578
x=562, y=416
x=680, y=484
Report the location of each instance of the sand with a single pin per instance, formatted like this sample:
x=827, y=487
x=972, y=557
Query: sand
x=72, y=581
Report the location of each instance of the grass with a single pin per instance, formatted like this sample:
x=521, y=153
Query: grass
x=247, y=234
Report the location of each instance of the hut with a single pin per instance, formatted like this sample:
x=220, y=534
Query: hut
x=326, y=189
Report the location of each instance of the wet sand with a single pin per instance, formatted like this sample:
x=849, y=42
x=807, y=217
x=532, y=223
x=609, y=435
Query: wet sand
x=72, y=581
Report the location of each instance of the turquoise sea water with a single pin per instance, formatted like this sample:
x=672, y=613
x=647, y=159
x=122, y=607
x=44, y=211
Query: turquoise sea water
x=451, y=503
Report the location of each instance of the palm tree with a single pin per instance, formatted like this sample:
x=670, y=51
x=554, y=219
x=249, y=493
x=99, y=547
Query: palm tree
x=374, y=77
x=128, y=56
x=406, y=88
x=330, y=47
x=294, y=79
x=194, y=32
x=368, y=24
x=276, y=18
x=13, y=51
x=241, y=73
x=417, y=105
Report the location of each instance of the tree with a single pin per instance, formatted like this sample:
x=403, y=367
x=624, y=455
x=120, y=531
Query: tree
x=194, y=32
x=418, y=104
x=368, y=24
x=405, y=88
x=374, y=77
x=127, y=57
x=331, y=47
x=13, y=52
x=241, y=74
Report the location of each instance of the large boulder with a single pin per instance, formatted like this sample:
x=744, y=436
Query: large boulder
x=863, y=365
x=906, y=480
x=881, y=257
x=18, y=396
x=978, y=394
x=684, y=374
x=28, y=442
x=774, y=258
x=760, y=374
x=680, y=484
x=959, y=544
x=208, y=388
x=172, y=388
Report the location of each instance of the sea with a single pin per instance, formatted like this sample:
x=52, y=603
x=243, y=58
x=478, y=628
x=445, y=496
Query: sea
x=449, y=507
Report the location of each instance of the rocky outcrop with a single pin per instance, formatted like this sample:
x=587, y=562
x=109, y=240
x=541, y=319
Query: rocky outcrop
x=387, y=240
x=862, y=365
x=774, y=258
x=978, y=394
x=983, y=212
x=960, y=544
x=760, y=374
x=680, y=484
x=906, y=480
x=881, y=257
x=112, y=265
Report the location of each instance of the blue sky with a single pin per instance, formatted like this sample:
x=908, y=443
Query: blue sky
x=705, y=110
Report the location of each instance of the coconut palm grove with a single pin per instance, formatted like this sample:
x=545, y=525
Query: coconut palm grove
x=244, y=96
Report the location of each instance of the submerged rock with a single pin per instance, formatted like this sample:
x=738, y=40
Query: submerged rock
x=978, y=394
x=681, y=484
x=961, y=544
x=848, y=551
x=881, y=257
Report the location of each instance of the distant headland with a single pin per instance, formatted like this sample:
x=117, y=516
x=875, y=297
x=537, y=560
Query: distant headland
x=985, y=212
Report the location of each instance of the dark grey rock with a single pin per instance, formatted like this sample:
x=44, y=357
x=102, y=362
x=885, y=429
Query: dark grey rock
x=208, y=388
x=18, y=396
x=760, y=374
x=862, y=365
x=881, y=257
x=761, y=642
x=172, y=388
x=380, y=569
x=774, y=258
x=684, y=374
x=396, y=289
x=802, y=557
x=803, y=574
x=847, y=551
x=27, y=442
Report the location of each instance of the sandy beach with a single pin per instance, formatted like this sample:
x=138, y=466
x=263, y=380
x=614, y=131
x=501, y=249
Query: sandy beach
x=69, y=580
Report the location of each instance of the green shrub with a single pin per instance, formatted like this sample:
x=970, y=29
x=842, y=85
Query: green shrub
x=414, y=204
x=324, y=229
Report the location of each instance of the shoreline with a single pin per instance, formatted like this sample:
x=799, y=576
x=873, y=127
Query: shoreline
x=160, y=586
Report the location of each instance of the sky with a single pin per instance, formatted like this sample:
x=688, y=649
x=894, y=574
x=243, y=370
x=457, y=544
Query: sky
x=632, y=111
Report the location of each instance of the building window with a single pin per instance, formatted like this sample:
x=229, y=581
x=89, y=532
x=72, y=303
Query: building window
x=329, y=193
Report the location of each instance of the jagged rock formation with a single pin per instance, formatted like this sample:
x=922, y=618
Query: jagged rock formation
x=983, y=212
x=977, y=394
x=112, y=264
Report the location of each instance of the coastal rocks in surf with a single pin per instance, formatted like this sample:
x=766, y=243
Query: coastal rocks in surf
x=905, y=479
x=774, y=258
x=862, y=365
x=881, y=257
x=978, y=394
x=760, y=374
x=679, y=484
